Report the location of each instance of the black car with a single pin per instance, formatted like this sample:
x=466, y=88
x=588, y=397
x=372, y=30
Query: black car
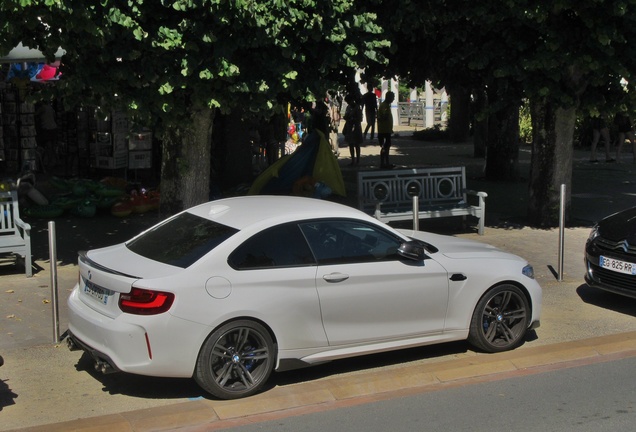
x=610, y=254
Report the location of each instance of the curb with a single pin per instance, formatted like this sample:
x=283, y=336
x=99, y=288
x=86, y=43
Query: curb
x=340, y=391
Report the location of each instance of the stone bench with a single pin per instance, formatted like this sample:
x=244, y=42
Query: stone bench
x=441, y=192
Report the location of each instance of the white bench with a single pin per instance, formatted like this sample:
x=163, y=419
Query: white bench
x=15, y=234
x=440, y=192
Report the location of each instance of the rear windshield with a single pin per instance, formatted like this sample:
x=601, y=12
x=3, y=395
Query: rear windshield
x=181, y=241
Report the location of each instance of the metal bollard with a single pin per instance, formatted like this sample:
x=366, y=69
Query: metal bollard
x=416, y=214
x=561, y=232
x=54, y=294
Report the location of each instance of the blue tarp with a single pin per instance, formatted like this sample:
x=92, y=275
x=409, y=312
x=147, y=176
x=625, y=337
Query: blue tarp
x=313, y=158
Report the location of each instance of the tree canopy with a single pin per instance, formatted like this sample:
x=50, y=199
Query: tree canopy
x=566, y=50
x=175, y=63
x=568, y=57
x=161, y=59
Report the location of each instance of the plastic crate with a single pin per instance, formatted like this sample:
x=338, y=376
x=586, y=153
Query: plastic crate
x=140, y=141
x=139, y=159
x=111, y=162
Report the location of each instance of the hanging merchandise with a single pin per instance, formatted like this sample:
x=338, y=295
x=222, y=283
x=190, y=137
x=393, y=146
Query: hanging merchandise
x=109, y=148
x=23, y=71
x=48, y=72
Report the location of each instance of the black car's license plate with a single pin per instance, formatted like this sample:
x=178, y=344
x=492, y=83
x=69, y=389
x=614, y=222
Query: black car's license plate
x=617, y=265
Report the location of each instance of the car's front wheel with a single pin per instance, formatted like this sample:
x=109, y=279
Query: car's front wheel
x=236, y=360
x=500, y=320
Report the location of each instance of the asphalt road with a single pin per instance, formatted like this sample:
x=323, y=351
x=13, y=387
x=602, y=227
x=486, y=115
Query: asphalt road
x=593, y=398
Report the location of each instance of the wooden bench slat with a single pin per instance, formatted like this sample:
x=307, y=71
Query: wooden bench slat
x=15, y=234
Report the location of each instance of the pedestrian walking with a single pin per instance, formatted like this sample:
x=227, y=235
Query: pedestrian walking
x=625, y=131
x=600, y=130
x=335, y=105
x=370, y=102
x=352, y=130
x=385, y=129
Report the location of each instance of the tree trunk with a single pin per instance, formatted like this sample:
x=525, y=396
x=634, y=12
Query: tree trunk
x=480, y=122
x=459, y=121
x=502, y=156
x=185, y=167
x=551, y=166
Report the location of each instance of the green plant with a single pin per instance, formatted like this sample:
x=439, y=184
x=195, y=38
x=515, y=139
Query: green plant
x=525, y=123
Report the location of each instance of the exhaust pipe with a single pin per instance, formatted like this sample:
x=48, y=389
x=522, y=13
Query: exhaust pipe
x=100, y=365
x=71, y=345
x=104, y=367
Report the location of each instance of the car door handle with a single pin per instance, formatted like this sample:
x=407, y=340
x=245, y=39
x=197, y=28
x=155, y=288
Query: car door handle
x=457, y=277
x=335, y=277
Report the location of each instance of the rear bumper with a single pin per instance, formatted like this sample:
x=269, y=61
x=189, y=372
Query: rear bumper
x=100, y=358
x=159, y=345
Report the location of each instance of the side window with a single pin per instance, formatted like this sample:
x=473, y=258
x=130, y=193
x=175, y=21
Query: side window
x=344, y=241
x=280, y=246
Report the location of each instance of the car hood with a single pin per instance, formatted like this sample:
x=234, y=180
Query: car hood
x=122, y=260
x=619, y=226
x=457, y=248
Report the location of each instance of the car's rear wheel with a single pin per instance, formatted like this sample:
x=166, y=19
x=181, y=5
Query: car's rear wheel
x=236, y=360
x=500, y=320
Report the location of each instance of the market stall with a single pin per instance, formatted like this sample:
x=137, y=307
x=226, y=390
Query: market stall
x=46, y=137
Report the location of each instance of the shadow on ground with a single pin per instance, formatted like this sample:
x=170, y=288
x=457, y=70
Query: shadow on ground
x=606, y=300
x=73, y=234
x=140, y=386
x=173, y=388
x=7, y=397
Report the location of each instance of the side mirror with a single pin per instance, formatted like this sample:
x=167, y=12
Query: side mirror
x=411, y=250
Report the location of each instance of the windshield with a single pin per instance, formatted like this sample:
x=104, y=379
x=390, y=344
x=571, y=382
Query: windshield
x=181, y=241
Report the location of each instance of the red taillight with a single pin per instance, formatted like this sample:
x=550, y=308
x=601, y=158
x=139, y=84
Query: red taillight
x=145, y=302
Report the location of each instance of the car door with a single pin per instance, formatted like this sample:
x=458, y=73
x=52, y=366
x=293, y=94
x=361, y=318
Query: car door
x=274, y=279
x=366, y=291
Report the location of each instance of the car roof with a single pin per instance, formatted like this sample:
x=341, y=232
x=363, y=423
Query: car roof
x=241, y=212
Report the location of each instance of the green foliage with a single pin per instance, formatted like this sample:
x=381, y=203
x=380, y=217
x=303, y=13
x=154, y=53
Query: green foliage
x=525, y=123
x=404, y=91
x=165, y=59
x=570, y=51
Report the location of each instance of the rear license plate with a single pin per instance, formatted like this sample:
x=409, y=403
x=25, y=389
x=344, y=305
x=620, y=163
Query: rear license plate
x=617, y=265
x=98, y=293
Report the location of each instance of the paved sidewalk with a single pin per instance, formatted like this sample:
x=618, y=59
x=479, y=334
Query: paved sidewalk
x=355, y=389
x=44, y=387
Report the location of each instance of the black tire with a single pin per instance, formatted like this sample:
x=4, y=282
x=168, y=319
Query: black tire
x=500, y=320
x=236, y=360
